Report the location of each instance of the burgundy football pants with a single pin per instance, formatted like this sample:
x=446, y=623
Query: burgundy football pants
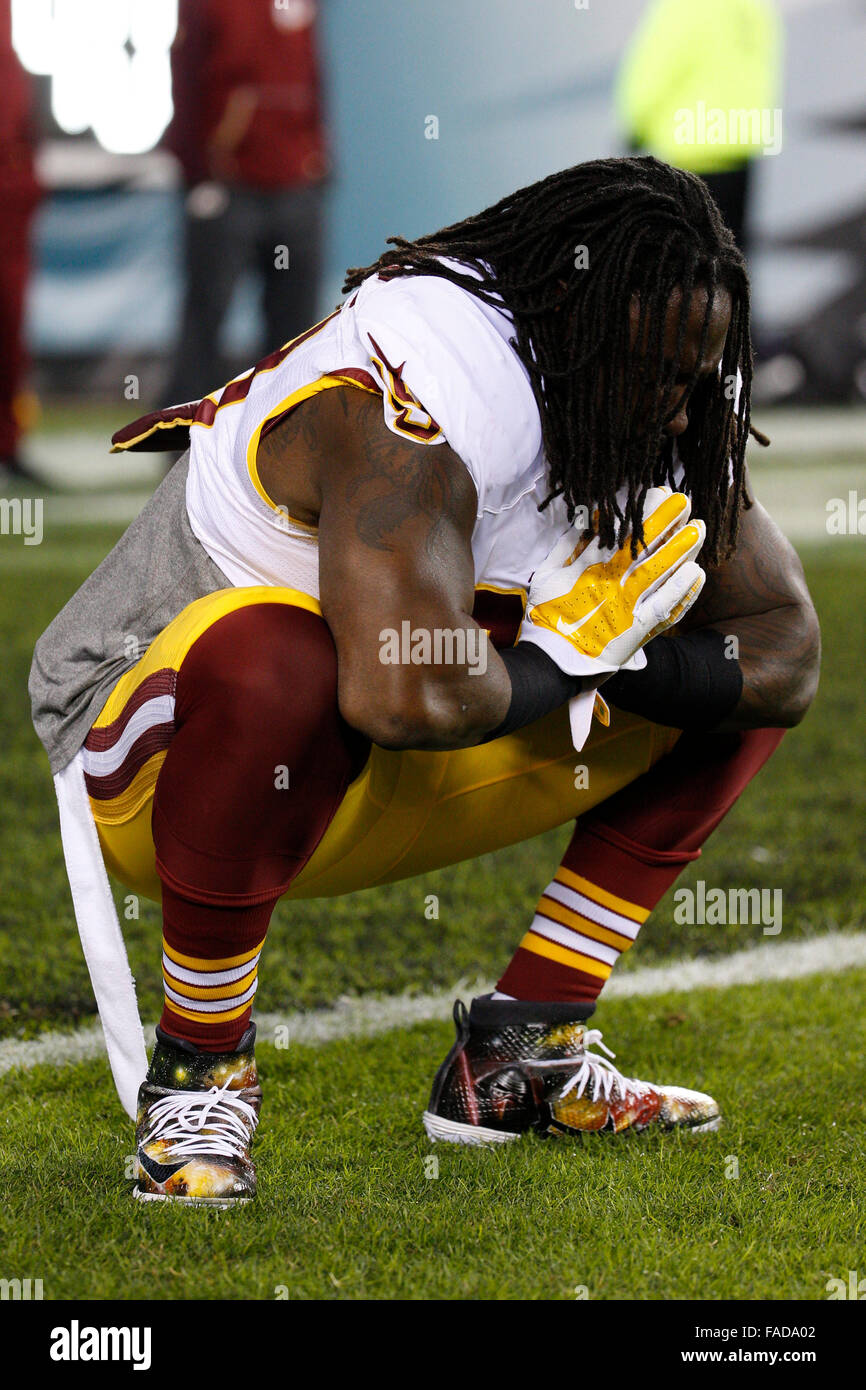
x=262, y=758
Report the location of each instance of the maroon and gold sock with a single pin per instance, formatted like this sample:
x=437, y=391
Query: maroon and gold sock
x=623, y=857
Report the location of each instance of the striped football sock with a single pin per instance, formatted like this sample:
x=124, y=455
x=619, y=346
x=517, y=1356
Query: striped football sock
x=622, y=859
x=210, y=971
x=590, y=913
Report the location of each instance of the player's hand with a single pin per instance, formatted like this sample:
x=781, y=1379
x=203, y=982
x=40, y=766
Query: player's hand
x=591, y=608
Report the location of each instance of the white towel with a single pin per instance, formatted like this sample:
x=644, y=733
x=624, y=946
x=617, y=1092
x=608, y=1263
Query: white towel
x=582, y=707
x=101, y=937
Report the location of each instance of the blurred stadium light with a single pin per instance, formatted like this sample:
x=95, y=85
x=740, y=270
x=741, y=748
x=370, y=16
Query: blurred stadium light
x=108, y=62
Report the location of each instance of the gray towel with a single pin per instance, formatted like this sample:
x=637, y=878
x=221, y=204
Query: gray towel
x=156, y=569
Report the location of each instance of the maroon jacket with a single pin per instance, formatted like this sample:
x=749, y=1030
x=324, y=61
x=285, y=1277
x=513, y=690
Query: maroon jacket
x=267, y=51
x=18, y=186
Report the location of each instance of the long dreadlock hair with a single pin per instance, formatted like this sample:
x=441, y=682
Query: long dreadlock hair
x=646, y=229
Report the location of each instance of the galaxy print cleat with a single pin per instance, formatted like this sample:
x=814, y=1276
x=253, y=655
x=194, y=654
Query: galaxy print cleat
x=518, y=1067
x=197, y=1114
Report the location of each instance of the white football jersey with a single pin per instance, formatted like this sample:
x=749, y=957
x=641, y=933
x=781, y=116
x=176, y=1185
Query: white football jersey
x=442, y=363
x=444, y=368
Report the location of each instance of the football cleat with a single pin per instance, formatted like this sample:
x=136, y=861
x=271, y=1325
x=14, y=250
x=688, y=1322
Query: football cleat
x=197, y=1114
x=518, y=1066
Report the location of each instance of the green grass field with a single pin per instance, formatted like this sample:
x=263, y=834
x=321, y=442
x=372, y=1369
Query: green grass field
x=346, y=1209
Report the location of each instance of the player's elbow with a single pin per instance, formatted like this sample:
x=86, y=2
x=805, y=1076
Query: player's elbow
x=403, y=714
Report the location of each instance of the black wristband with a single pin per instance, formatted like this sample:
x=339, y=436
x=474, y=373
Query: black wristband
x=689, y=682
x=537, y=687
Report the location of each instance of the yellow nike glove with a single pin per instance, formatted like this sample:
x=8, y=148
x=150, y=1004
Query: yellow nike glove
x=592, y=608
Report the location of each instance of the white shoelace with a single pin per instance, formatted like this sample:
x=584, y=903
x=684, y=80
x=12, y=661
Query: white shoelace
x=598, y=1070
x=180, y=1118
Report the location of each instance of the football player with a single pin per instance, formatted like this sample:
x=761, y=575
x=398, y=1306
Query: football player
x=363, y=625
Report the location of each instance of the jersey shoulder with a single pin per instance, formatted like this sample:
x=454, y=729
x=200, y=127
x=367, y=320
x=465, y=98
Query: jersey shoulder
x=449, y=372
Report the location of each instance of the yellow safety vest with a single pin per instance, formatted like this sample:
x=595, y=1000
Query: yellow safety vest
x=699, y=84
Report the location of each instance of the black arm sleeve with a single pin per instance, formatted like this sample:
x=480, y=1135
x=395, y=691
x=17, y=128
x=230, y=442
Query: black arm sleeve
x=689, y=682
x=537, y=687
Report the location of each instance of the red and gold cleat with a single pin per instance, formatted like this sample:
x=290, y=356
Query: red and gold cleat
x=517, y=1066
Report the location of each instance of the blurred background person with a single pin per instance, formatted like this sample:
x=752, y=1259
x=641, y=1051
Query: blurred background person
x=249, y=135
x=493, y=106
x=727, y=56
x=19, y=194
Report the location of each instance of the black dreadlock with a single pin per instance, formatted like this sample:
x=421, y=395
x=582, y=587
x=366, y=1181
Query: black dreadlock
x=646, y=229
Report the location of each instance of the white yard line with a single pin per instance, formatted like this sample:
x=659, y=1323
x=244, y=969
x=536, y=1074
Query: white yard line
x=810, y=430
x=96, y=508
x=372, y=1014
x=797, y=498
x=80, y=458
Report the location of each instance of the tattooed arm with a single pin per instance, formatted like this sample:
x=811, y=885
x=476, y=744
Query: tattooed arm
x=395, y=528
x=760, y=597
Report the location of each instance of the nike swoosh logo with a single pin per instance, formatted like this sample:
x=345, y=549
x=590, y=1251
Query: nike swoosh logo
x=160, y=1172
x=569, y=629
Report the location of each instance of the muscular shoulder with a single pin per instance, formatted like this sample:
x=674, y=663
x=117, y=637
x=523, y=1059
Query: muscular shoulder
x=762, y=573
x=336, y=444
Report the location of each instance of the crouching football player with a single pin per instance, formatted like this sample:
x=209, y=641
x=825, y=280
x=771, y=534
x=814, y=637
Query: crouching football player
x=372, y=607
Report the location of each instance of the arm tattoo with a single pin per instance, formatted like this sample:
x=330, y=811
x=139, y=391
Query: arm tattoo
x=399, y=482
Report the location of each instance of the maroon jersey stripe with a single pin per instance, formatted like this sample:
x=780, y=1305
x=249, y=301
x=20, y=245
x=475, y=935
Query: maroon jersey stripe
x=152, y=741
x=161, y=682
x=204, y=412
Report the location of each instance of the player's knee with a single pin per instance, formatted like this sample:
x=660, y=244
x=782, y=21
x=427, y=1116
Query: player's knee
x=269, y=663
